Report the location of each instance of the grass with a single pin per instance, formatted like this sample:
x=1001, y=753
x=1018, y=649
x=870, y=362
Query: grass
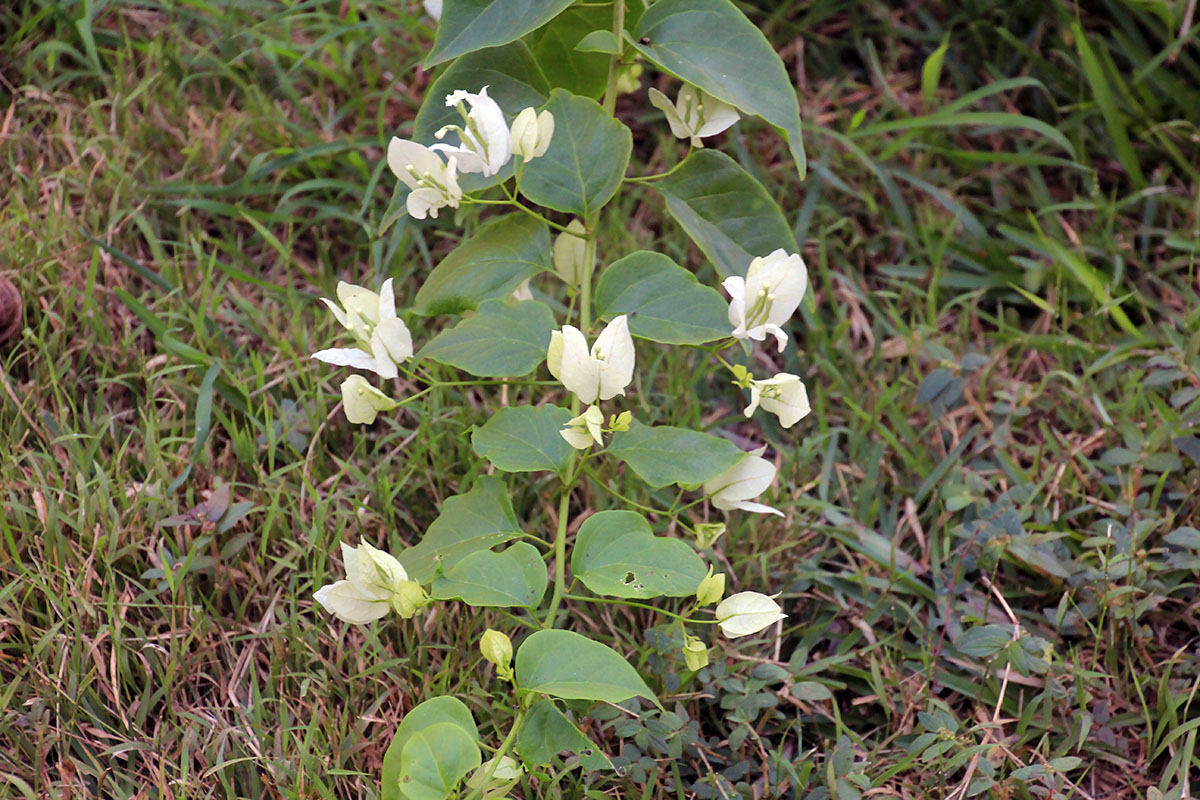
x=1003, y=356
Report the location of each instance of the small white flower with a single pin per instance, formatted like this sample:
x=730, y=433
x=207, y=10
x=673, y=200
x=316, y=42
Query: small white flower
x=531, y=133
x=523, y=292
x=362, y=402
x=767, y=297
x=745, y=480
x=581, y=431
x=570, y=253
x=695, y=113
x=600, y=373
x=375, y=584
x=484, y=144
x=783, y=395
x=745, y=613
x=384, y=340
x=434, y=183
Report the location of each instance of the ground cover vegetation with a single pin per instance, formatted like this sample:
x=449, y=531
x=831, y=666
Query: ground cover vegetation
x=989, y=543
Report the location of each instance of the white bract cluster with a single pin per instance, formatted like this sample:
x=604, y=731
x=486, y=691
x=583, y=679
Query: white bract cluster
x=375, y=584
x=384, y=340
x=597, y=374
x=745, y=613
x=695, y=114
x=767, y=297
x=485, y=144
x=741, y=483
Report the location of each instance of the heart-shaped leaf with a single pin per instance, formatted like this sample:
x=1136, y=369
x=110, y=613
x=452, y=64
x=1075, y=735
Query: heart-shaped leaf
x=478, y=520
x=525, y=439
x=469, y=25
x=571, y=666
x=504, y=338
x=617, y=554
x=437, y=710
x=664, y=301
x=515, y=577
x=663, y=454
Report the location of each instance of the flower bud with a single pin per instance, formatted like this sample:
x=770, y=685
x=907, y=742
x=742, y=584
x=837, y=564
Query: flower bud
x=620, y=422
x=362, y=402
x=711, y=589
x=569, y=253
x=496, y=778
x=496, y=648
x=707, y=534
x=531, y=133
x=695, y=654
x=408, y=597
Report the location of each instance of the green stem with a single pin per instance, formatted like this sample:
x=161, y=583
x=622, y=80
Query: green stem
x=560, y=549
x=505, y=746
x=660, y=175
x=618, y=602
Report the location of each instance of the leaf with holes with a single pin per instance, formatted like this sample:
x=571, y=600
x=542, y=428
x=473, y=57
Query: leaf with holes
x=478, y=520
x=617, y=554
x=515, y=577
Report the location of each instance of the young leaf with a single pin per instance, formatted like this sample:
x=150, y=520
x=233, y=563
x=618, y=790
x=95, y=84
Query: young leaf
x=663, y=454
x=586, y=161
x=711, y=44
x=525, y=439
x=728, y=213
x=438, y=710
x=601, y=41
x=478, y=520
x=514, y=80
x=434, y=760
x=491, y=263
x=468, y=25
x=547, y=732
x=664, y=301
x=515, y=577
x=571, y=666
x=616, y=554
x=555, y=46
x=503, y=338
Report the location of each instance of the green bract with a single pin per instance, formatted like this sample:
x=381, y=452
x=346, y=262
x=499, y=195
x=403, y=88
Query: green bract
x=517, y=142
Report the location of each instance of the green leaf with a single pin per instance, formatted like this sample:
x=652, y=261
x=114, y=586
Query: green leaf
x=469, y=25
x=525, y=439
x=435, y=711
x=711, y=44
x=601, y=41
x=984, y=641
x=492, y=263
x=503, y=338
x=586, y=160
x=514, y=81
x=811, y=691
x=664, y=301
x=546, y=732
x=663, y=454
x=513, y=577
x=478, y=520
x=567, y=665
x=617, y=554
x=728, y=213
x=580, y=71
x=435, y=759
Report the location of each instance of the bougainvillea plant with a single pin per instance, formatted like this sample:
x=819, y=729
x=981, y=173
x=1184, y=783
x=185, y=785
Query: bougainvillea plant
x=520, y=122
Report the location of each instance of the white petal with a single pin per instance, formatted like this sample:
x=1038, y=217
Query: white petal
x=554, y=355
x=387, y=301
x=735, y=286
x=346, y=357
x=342, y=601
x=338, y=314
x=757, y=508
x=678, y=127
x=576, y=436
x=384, y=366
x=781, y=338
x=717, y=116
x=617, y=352
x=580, y=373
x=465, y=160
x=396, y=339
x=745, y=613
x=403, y=153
